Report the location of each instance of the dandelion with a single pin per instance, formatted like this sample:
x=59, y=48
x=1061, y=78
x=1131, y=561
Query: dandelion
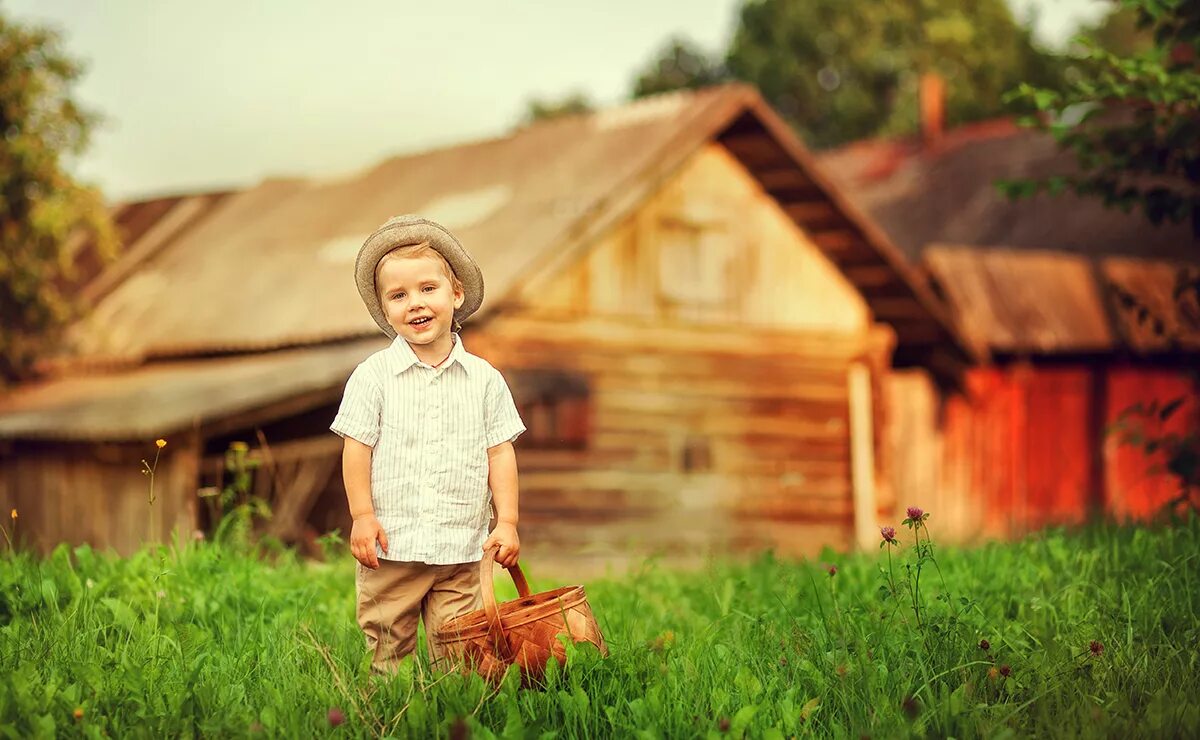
x=1005, y=670
x=985, y=645
x=1095, y=647
x=335, y=717
x=888, y=534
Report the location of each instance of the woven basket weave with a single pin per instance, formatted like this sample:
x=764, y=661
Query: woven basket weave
x=523, y=631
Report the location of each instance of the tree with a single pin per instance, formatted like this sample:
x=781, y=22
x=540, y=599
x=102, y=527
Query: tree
x=42, y=206
x=1119, y=33
x=1132, y=122
x=839, y=71
x=543, y=109
x=680, y=65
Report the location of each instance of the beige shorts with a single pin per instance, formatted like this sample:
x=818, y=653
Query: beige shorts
x=392, y=597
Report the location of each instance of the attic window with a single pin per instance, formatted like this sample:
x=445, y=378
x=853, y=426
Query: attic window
x=555, y=406
x=695, y=261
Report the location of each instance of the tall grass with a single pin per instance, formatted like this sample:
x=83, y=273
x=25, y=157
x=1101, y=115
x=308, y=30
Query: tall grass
x=1089, y=633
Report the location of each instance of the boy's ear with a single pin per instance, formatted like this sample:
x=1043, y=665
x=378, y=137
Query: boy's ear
x=459, y=297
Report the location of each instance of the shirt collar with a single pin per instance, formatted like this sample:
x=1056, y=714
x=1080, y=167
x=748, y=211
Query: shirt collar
x=402, y=357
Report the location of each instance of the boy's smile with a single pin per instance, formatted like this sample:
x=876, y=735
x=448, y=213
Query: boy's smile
x=419, y=301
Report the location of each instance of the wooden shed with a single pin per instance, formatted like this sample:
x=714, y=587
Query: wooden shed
x=1052, y=288
x=696, y=325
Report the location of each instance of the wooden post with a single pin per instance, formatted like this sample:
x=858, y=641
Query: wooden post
x=862, y=455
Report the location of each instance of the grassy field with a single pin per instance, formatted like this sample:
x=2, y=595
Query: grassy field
x=1092, y=633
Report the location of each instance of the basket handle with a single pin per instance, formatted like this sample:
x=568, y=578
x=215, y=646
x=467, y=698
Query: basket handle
x=487, y=586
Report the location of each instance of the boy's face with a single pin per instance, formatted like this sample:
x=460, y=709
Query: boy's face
x=418, y=298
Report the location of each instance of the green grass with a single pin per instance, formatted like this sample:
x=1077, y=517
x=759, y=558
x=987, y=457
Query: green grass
x=202, y=640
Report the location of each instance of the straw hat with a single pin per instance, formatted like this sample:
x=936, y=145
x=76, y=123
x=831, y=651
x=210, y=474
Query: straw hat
x=402, y=231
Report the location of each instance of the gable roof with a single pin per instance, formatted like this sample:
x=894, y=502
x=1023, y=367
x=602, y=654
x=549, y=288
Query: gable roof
x=270, y=266
x=945, y=193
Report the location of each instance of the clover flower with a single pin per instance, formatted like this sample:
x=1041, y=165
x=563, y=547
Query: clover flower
x=1005, y=670
x=915, y=513
x=1095, y=647
x=985, y=645
x=335, y=717
x=888, y=534
x=831, y=569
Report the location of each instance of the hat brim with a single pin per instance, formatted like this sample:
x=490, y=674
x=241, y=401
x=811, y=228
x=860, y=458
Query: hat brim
x=403, y=231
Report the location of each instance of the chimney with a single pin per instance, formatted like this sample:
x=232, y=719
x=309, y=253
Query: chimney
x=931, y=97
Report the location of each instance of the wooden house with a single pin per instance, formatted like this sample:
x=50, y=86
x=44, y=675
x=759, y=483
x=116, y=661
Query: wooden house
x=1084, y=311
x=696, y=324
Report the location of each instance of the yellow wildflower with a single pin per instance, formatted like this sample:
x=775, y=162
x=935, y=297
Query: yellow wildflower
x=161, y=443
x=14, y=514
x=78, y=713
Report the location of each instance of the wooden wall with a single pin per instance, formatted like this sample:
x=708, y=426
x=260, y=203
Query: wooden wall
x=697, y=438
x=709, y=247
x=1026, y=445
x=716, y=343
x=96, y=493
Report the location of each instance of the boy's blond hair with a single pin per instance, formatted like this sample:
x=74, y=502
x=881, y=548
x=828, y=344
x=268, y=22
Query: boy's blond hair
x=416, y=251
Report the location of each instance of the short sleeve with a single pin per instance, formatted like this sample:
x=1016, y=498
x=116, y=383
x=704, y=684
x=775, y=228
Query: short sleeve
x=503, y=423
x=362, y=403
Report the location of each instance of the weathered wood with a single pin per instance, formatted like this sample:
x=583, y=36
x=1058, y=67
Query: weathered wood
x=862, y=456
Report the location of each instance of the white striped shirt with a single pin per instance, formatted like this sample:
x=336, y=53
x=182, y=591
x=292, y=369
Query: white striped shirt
x=430, y=429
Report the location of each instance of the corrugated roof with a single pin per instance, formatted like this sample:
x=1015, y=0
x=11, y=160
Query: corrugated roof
x=945, y=193
x=1047, y=303
x=163, y=398
x=272, y=266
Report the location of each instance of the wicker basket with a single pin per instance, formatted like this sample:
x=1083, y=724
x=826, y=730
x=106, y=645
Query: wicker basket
x=523, y=631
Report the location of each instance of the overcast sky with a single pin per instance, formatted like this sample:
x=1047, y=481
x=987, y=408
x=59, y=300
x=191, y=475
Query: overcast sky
x=224, y=93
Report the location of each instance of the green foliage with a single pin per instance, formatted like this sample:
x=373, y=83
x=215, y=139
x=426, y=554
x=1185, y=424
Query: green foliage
x=42, y=205
x=543, y=109
x=1132, y=122
x=1086, y=634
x=235, y=508
x=679, y=65
x=1143, y=426
x=840, y=71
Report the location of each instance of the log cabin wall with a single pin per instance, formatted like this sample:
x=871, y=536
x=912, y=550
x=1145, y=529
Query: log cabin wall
x=686, y=382
x=96, y=493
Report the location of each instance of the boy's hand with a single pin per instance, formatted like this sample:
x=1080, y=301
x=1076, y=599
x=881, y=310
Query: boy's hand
x=504, y=535
x=363, y=534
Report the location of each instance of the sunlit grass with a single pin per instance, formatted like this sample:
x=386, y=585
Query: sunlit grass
x=1091, y=633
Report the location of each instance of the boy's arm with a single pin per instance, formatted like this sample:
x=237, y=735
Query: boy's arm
x=356, y=474
x=502, y=479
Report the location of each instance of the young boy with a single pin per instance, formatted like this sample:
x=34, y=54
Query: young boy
x=428, y=430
